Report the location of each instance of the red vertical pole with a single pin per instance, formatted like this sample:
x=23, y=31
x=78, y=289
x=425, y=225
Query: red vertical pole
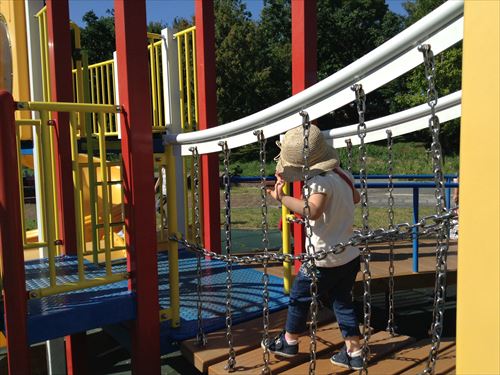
x=207, y=99
x=62, y=91
x=304, y=74
x=138, y=185
x=11, y=244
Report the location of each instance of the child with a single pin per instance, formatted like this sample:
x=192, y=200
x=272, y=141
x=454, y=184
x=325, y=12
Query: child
x=331, y=203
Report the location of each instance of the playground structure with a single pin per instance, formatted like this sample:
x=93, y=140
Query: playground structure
x=136, y=174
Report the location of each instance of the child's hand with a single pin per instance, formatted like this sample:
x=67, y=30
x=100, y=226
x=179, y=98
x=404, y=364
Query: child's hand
x=277, y=191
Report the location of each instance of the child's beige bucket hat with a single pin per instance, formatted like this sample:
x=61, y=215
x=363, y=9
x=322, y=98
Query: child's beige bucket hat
x=322, y=157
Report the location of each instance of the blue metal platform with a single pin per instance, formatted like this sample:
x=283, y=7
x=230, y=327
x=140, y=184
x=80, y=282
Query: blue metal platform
x=63, y=314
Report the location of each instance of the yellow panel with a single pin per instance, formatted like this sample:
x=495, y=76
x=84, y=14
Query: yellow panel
x=13, y=13
x=478, y=304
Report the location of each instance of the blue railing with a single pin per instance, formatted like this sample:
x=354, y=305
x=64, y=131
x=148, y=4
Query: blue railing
x=414, y=185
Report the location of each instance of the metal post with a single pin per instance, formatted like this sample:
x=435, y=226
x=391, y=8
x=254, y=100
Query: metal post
x=59, y=43
x=478, y=300
x=138, y=185
x=415, y=230
x=304, y=68
x=207, y=99
x=11, y=244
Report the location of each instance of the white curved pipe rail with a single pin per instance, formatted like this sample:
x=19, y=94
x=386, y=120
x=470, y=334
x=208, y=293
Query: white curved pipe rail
x=404, y=122
x=441, y=29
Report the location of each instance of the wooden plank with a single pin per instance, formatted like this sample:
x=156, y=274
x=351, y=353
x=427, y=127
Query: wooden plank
x=246, y=336
x=407, y=358
x=328, y=337
x=381, y=344
x=445, y=363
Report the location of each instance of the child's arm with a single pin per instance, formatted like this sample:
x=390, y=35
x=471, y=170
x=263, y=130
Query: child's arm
x=317, y=201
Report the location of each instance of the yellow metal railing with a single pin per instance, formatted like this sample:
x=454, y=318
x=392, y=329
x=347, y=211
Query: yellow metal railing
x=188, y=96
x=44, y=53
x=48, y=228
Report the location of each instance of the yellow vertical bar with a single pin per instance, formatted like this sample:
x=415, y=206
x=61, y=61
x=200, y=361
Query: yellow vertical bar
x=110, y=98
x=158, y=84
x=92, y=72
x=152, y=68
x=77, y=194
x=181, y=82
x=287, y=267
x=40, y=182
x=188, y=81
x=173, y=256
x=478, y=300
x=195, y=78
x=104, y=187
x=20, y=181
x=50, y=196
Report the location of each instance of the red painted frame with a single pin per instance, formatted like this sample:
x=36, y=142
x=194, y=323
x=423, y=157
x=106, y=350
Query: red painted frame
x=59, y=47
x=207, y=109
x=304, y=74
x=138, y=184
x=11, y=244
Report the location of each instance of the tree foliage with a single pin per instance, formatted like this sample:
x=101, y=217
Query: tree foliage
x=448, y=80
x=98, y=36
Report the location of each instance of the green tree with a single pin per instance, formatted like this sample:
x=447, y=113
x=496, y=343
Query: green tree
x=98, y=36
x=448, y=80
x=347, y=30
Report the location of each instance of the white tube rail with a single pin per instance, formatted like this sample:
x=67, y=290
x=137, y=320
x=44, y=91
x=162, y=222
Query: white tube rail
x=404, y=122
x=441, y=29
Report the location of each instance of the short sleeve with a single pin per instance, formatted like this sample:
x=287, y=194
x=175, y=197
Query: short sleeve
x=320, y=184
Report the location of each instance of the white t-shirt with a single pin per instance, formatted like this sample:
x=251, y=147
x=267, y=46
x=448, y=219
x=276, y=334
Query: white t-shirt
x=335, y=224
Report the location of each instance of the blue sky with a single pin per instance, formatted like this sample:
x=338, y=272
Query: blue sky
x=167, y=10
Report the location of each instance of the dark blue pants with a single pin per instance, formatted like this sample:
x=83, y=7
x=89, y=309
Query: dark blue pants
x=333, y=284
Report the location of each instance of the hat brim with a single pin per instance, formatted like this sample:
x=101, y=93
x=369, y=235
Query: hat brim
x=295, y=173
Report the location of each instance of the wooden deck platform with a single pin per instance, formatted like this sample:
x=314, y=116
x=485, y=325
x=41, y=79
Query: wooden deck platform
x=389, y=355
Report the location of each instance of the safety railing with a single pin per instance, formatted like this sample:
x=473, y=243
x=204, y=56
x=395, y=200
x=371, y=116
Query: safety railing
x=155, y=67
x=48, y=231
x=188, y=102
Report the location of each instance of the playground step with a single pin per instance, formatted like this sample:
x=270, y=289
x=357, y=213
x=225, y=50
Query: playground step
x=246, y=337
x=408, y=358
x=328, y=337
x=381, y=344
x=445, y=363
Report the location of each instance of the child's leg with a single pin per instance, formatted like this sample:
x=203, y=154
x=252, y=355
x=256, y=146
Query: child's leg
x=298, y=306
x=343, y=305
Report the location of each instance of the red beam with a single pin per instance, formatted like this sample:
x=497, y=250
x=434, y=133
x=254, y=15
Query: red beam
x=205, y=60
x=137, y=154
x=61, y=88
x=11, y=244
x=62, y=91
x=304, y=74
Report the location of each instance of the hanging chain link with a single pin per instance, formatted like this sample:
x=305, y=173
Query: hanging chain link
x=265, y=243
x=349, y=155
x=426, y=226
x=390, y=200
x=365, y=252
x=201, y=338
x=306, y=192
x=442, y=242
x=231, y=361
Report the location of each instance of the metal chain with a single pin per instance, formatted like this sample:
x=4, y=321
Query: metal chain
x=231, y=361
x=427, y=225
x=365, y=252
x=390, y=200
x=306, y=192
x=442, y=241
x=201, y=338
x=265, y=243
x=349, y=155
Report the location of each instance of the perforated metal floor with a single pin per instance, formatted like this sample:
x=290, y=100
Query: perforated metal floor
x=67, y=313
